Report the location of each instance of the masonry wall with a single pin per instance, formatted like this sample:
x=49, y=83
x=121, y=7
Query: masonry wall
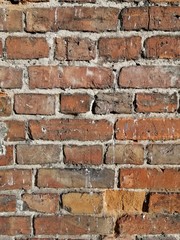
x=89, y=119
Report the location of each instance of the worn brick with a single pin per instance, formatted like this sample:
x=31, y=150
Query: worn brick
x=34, y=104
x=68, y=129
x=13, y=21
x=10, y=77
x=164, y=203
x=75, y=103
x=152, y=18
x=75, y=178
x=5, y=104
x=73, y=225
x=164, y=153
x=15, y=225
x=70, y=77
x=61, y=49
x=92, y=155
x=80, y=49
x=82, y=203
x=120, y=201
x=112, y=103
x=156, y=102
x=38, y=154
x=6, y=157
x=1, y=48
x=40, y=19
x=44, y=77
x=46, y=203
x=86, y=77
x=11, y=179
x=150, y=224
x=7, y=203
x=125, y=154
x=161, y=237
x=149, y=77
x=114, y=49
x=26, y=48
x=87, y=19
x=15, y=130
x=156, y=179
x=148, y=128
x=163, y=47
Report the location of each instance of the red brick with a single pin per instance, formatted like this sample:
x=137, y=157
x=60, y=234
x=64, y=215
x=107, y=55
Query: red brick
x=10, y=77
x=15, y=225
x=15, y=130
x=86, y=77
x=5, y=105
x=38, y=154
x=164, y=154
x=7, y=203
x=163, y=47
x=106, y=103
x=164, y=18
x=68, y=129
x=119, y=201
x=7, y=157
x=75, y=103
x=114, y=49
x=82, y=203
x=152, y=18
x=15, y=179
x=148, y=129
x=61, y=49
x=34, y=104
x=156, y=179
x=80, y=49
x=44, y=77
x=156, y=102
x=125, y=154
x=87, y=19
x=131, y=19
x=40, y=19
x=46, y=203
x=70, y=77
x=13, y=21
x=75, y=178
x=26, y=48
x=150, y=77
x=150, y=224
x=92, y=155
x=73, y=225
x=164, y=203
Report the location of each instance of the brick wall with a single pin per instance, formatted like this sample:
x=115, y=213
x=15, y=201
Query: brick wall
x=90, y=127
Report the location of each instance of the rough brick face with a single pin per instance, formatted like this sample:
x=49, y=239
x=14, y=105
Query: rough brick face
x=152, y=129
x=66, y=129
x=163, y=47
x=125, y=154
x=89, y=119
x=69, y=178
x=26, y=48
x=156, y=102
x=83, y=155
x=73, y=225
x=75, y=103
x=164, y=154
x=34, y=104
x=37, y=154
x=150, y=178
x=87, y=19
x=114, y=49
x=82, y=203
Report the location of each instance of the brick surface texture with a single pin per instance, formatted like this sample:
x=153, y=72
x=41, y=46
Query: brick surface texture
x=89, y=119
